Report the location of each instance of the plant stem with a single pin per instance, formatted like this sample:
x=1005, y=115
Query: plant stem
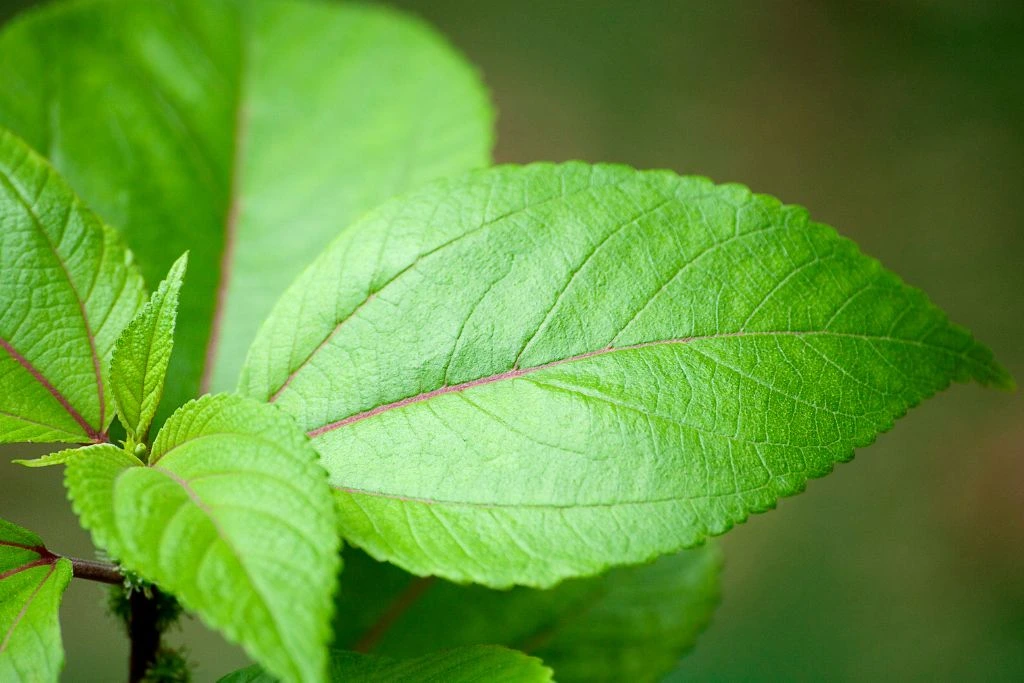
x=91, y=570
x=143, y=632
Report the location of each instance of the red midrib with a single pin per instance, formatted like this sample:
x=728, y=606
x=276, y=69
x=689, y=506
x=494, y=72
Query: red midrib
x=510, y=374
x=90, y=431
x=231, y=220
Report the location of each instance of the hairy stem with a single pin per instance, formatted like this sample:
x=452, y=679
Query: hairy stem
x=143, y=632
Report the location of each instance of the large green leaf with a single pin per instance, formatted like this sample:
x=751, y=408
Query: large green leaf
x=138, y=367
x=631, y=624
x=234, y=517
x=533, y=373
x=461, y=665
x=32, y=581
x=67, y=287
x=246, y=131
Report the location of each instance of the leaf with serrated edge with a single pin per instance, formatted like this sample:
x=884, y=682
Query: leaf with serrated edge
x=533, y=373
x=138, y=367
x=32, y=581
x=68, y=286
x=246, y=131
x=460, y=665
x=631, y=624
x=234, y=517
x=90, y=477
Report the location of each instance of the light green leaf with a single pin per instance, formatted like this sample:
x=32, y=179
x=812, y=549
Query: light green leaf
x=51, y=459
x=90, y=477
x=533, y=373
x=246, y=131
x=32, y=581
x=138, y=367
x=462, y=665
x=631, y=624
x=234, y=517
x=67, y=287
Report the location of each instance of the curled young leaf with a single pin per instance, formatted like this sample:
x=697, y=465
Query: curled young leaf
x=138, y=367
x=533, y=373
x=67, y=287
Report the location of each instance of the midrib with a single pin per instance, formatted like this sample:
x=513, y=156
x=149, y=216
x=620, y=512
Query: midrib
x=521, y=372
x=233, y=212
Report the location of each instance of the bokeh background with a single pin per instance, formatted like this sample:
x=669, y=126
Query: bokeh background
x=900, y=122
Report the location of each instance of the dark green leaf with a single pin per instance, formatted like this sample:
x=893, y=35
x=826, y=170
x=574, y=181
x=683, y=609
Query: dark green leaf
x=461, y=665
x=631, y=624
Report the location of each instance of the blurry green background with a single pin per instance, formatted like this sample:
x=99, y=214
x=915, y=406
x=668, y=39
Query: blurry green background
x=900, y=122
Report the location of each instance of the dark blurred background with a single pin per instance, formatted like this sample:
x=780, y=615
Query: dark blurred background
x=900, y=122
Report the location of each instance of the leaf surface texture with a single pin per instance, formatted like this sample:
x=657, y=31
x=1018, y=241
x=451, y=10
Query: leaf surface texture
x=32, y=581
x=67, y=287
x=234, y=517
x=142, y=353
x=533, y=373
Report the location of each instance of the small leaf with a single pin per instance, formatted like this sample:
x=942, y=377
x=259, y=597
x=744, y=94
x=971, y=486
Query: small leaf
x=90, y=478
x=234, y=517
x=247, y=132
x=462, y=665
x=138, y=367
x=50, y=459
x=631, y=624
x=67, y=287
x=534, y=373
x=32, y=581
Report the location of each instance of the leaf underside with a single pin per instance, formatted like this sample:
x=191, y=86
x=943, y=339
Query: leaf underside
x=246, y=131
x=32, y=582
x=233, y=516
x=67, y=287
x=533, y=373
x=631, y=624
x=460, y=665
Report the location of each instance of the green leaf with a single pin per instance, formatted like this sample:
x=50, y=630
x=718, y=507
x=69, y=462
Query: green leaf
x=32, y=581
x=90, y=477
x=533, y=373
x=462, y=665
x=67, y=287
x=138, y=367
x=631, y=624
x=246, y=131
x=51, y=459
x=234, y=517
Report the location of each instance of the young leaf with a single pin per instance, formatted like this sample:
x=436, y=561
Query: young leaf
x=533, y=373
x=462, y=665
x=246, y=131
x=631, y=624
x=67, y=287
x=32, y=581
x=90, y=477
x=234, y=517
x=138, y=367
